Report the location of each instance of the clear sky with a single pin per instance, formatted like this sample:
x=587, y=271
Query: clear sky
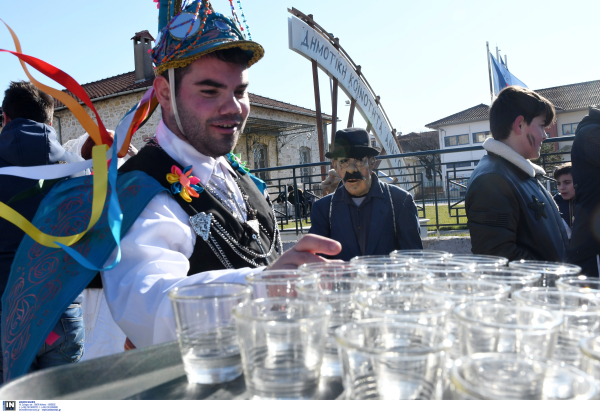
x=426, y=59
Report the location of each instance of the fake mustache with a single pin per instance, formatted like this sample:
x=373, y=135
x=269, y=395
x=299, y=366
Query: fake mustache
x=353, y=176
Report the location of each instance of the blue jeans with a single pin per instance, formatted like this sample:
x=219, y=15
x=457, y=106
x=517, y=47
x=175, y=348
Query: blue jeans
x=68, y=348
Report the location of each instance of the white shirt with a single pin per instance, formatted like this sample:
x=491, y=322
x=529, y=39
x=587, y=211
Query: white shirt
x=155, y=253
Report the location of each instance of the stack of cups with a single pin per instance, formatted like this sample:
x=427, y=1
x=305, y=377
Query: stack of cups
x=580, y=312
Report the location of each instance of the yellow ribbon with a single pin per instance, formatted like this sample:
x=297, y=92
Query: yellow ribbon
x=99, y=197
x=78, y=111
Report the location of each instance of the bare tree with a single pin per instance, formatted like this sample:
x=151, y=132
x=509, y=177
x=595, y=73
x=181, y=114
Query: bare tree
x=420, y=142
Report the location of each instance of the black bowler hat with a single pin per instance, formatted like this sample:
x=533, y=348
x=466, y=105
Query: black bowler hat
x=352, y=143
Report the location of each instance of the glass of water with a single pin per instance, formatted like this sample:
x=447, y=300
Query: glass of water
x=550, y=271
x=580, y=312
x=282, y=343
x=340, y=292
x=404, y=307
x=503, y=328
x=579, y=284
x=590, y=362
x=515, y=376
x=383, y=359
x=206, y=331
x=402, y=279
x=275, y=283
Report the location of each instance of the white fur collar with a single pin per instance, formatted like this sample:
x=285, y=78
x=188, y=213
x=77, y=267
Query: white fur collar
x=498, y=148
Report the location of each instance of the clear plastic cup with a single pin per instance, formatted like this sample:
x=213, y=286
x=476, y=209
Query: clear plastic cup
x=316, y=268
x=590, y=362
x=479, y=261
x=417, y=255
x=403, y=307
x=443, y=269
x=206, y=331
x=462, y=291
x=550, y=271
x=515, y=278
x=580, y=312
x=275, y=283
x=404, y=279
x=387, y=360
x=502, y=328
x=514, y=376
x=340, y=292
x=381, y=262
x=579, y=284
x=282, y=343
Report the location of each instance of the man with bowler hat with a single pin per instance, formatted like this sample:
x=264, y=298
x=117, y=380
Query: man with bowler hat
x=367, y=216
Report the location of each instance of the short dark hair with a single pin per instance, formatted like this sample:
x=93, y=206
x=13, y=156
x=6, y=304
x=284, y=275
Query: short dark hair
x=515, y=101
x=234, y=55
x=562, y=170
x=23, y=99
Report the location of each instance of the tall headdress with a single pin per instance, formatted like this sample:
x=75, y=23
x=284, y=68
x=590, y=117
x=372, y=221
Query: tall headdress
x=190, y=29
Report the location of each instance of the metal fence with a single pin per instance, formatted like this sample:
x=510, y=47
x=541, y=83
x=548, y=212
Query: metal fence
x=440, y=196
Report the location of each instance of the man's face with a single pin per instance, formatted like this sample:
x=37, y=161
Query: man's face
x=534, y=134
x=213, y=105
x=565, y=186
x=355, y=173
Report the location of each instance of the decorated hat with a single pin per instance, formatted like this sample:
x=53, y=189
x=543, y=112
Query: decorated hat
x=190, y=29
x=352, y=143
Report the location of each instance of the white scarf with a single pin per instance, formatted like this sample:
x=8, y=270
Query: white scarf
x=504, y=151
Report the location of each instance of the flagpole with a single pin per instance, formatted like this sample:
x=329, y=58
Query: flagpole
x=487, y=45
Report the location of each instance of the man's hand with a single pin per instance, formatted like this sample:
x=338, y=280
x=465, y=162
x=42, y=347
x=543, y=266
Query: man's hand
x=305, y=252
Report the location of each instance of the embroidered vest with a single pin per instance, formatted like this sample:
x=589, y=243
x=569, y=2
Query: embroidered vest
x=228, y=236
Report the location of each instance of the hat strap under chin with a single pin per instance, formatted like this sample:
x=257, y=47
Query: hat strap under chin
x=173, y=102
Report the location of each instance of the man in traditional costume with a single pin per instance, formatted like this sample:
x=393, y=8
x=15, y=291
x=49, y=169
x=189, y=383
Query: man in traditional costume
x=183, y=211
x=366, y=215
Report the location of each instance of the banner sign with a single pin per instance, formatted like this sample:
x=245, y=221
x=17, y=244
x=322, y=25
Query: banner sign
x=309, y=43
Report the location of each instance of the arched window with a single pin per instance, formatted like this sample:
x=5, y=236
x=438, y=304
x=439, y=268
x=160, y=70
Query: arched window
x=305, y=158
x=261, y=159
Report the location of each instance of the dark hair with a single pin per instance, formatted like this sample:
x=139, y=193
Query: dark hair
x=234, y=55
x=515, y=101
x=562, y=170
x=88, y=145
x=23, y=99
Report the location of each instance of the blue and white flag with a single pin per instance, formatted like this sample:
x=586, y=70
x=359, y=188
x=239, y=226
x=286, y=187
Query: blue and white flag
x=502, y=77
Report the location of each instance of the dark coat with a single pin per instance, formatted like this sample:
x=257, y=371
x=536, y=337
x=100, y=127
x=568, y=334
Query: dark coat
x=381, y=237
x=24, y=143
x=505, y=220
x=566, y=208
x=585, y=158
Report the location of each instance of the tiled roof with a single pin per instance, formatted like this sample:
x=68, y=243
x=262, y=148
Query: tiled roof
x=568, y=97
x=573, y=96
x=416, y=142
x=479, y=112
x=126, y=82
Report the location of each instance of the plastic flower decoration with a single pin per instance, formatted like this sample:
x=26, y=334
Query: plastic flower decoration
x=237, y=163
x=184, y=184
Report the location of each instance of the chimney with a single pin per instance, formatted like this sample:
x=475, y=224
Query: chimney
x=142, y=42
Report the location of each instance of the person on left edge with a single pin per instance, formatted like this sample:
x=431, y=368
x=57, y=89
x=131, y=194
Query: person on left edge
x=28, y=139
x=367, y=216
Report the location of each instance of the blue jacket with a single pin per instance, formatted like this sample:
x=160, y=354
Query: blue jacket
x=381, y=237
x=24, y=143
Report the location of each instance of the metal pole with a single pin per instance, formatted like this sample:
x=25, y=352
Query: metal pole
x=487, y=45
x=334, y=105
x=435, y=199
x=315, y=70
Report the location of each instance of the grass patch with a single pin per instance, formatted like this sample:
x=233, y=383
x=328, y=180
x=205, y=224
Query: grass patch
x=445, y=218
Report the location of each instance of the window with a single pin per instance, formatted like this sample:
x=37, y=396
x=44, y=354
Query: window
x=569, y=128
x=481, y=136
x=456, y=140
x=460, y=164
x=305, y=158
x=476, y=162
x=261, y=160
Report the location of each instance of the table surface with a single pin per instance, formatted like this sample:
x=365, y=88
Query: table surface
x=150, y=373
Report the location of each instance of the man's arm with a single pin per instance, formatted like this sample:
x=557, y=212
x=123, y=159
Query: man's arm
x=407, y=222
x=319, y=217
x=493, y=218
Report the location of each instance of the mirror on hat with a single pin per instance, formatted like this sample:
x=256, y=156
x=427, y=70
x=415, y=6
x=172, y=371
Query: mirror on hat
x=181, y=25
